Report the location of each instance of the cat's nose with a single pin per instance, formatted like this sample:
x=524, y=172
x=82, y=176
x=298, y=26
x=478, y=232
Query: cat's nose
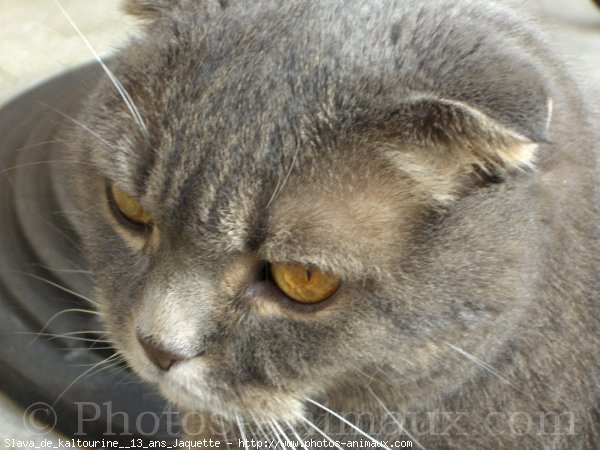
x=162, y=358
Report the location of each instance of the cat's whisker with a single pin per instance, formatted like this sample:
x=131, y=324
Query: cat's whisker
x=347, y=422
x=481, y=363
x=129, y=378
x=279, y=188
x=84, y=349
x=69, y=310
x=62, y=288
x=51, y=319
x=242, y=431
x=48, y=161
x=283, y=434
x=106, y=345
x=254, y=433
x=108, y=361
x=58, y=270
x=38, y=144
x=296, y=435
x=261, y=430
x=276, y=434
x=79, y=124
x=55, y=228
x=4, y=170
x=275, y=191
x=382, y=376
x=109, y=370
x=115, y=368
x=103, y=341
x=135, y=113
x=321, y=432
x=78, y=310
x=370, y=378
x=114, y=362
x=103, y=336
x=256, y=427
x=52, y=336
x=394, y=419
x=224, y=433
x=102, y=333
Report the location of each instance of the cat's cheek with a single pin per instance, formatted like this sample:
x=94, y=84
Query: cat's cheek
x=194, y=386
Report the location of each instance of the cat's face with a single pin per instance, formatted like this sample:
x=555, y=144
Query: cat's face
x=197, y=280
x=312, y=145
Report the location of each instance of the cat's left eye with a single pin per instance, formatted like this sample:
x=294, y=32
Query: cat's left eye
x=129, y=208
x=304, y=284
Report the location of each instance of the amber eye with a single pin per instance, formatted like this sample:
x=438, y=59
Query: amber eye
x=305, y=284
x=129, y=208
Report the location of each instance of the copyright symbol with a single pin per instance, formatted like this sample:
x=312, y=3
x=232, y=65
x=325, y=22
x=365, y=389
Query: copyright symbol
x=39, y=418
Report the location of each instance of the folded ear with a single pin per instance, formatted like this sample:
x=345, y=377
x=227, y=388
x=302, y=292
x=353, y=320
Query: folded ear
x=446, y=143
x=153, y=9
x=147, y=9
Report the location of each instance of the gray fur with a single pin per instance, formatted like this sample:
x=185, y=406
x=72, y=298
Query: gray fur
x=433, y=154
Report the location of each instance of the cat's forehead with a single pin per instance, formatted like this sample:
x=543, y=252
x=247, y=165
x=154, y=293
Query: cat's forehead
x=240, y=101
x=256, y=76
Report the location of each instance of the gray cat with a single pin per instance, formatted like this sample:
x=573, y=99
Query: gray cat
x=371, y=221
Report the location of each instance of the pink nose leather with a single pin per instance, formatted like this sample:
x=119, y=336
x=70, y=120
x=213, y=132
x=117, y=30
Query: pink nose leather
x=162, y=358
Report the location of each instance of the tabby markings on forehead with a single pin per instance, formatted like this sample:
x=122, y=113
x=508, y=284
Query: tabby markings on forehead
x=119, y=163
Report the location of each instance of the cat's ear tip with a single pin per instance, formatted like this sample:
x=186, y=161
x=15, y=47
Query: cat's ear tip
x=451, y=145
x=151, y=10
x=146, y=9
x=477, y=137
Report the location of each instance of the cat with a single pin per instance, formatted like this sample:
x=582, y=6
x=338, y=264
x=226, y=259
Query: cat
x=348, y=221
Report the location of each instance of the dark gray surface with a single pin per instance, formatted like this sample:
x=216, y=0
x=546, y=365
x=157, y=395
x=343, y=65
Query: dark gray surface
x=38, y=253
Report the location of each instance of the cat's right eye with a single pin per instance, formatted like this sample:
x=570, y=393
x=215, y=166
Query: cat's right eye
x=304, y=284
x=127, y=208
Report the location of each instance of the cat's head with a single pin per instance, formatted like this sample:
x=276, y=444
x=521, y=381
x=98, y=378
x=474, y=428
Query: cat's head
x=295, y=197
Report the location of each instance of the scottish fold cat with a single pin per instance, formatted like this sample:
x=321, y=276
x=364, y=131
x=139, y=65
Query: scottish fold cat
x=348, y=221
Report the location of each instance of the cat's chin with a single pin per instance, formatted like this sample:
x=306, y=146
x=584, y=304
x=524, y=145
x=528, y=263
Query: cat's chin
x=192, y=387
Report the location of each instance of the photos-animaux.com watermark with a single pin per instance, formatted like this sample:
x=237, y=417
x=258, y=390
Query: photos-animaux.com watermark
x=41, y=419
